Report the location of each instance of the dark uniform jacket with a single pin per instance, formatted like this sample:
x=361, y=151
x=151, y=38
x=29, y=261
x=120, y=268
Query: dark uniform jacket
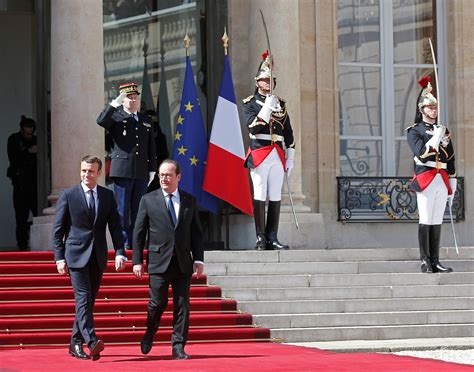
x=184, y=240
x=133, y=152
x=22, y=169
x=428, y=162
x=281, y=126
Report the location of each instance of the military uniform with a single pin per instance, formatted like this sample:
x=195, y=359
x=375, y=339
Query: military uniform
x=271, y=136
x=133, y=152
x=434, y=176
x=133, y=157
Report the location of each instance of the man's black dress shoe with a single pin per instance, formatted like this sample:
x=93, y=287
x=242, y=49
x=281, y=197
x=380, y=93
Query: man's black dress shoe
x=95, y=348
x=179, y=353
x=77, y=351
x=146, y=345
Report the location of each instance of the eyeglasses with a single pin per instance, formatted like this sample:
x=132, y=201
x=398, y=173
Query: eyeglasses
x=166, y=175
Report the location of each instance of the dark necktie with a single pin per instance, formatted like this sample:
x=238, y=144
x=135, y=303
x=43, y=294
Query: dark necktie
x=91, y=205
x=171, y=210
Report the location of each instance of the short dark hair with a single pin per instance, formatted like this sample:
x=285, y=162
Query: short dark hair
x=171, y=161
x=89, y=159
x=27, y=122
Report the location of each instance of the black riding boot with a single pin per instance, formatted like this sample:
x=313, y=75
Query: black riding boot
x=424, y=242
x=259, y=214
x=271, y=230
x=435, y=237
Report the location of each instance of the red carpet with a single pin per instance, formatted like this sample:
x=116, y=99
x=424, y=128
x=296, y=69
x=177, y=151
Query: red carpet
x=37, y=307
x=218, y=357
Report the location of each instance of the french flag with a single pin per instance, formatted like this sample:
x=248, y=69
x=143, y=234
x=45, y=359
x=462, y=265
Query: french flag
x=225, y=176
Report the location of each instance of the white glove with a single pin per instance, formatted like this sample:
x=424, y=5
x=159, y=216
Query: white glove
x=118, y=101
x=271, y=104
x=438, y=133
x=453, y=183
x=151, y=177
x=290, y=155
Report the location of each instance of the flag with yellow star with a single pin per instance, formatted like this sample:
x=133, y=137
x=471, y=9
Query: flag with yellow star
x=190, y=144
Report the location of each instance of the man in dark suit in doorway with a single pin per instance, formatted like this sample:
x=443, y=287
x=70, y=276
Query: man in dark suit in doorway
x=80, y=248
x=170, y=217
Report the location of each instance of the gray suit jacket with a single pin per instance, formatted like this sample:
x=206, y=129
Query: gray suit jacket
x=74, y=232
x=185, y=240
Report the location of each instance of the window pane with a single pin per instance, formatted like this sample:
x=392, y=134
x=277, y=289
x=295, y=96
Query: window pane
x=413, y=23
x=359, y=30
x=359, y=97
x=361, y=158
x=143, y=43
x=406, y=95
x=403, y=159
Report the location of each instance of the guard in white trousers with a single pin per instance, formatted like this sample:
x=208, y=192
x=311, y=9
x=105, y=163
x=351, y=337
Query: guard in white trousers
x=270, y=155
x=435, y=176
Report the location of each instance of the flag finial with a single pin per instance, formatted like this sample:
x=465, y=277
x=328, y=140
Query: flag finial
x=225, y=39
x=187, y=43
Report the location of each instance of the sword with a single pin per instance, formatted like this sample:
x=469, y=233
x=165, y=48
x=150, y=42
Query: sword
x=291, y=201
x=271, y=92
x=452, y=226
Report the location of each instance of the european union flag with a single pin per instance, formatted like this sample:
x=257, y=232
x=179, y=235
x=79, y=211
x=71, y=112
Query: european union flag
x=190, y=144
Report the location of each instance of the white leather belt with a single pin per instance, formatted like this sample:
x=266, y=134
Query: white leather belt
x=431, y=164
x=267, y=137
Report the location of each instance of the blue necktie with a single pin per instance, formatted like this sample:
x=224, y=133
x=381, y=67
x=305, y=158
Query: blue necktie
x=91, y=205
x=171, y=210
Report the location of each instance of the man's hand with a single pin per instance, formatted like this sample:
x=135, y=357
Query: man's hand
x=138, y=271
x=198, y=269
x=118, y=101
x=151, y=177
x=119, y=263
x=62, y=268
x=290, y=155
x=33, y=149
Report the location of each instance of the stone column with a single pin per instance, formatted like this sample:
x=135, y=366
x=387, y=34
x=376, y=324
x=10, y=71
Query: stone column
x=77, y=96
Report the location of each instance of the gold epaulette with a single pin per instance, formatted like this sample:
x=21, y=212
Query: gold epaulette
x=411, y=126
x=248, y=99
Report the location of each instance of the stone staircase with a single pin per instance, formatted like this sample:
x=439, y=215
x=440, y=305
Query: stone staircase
x=348, y=294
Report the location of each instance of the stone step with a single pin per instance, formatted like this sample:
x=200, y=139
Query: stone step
x=363, y=319
x=333, y=293
x=337, y=280
x=320, y=267
x=356, y=305
x=332, y=255
x=372, y=332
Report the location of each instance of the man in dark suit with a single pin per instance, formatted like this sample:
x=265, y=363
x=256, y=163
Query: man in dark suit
x=170, y=217
x=133, y=155
x=80, y=248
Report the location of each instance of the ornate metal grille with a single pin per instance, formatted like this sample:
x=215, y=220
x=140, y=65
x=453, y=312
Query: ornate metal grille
x=386, y=199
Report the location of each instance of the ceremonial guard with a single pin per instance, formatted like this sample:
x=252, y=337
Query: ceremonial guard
x=133, y=156
x=435, y=176
x=270, y=155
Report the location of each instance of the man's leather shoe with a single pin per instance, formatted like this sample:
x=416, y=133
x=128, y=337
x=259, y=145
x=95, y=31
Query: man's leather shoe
x=179, y=353
x=145, y=345
x=95, y=348
x=425, y=266
x=77, y=351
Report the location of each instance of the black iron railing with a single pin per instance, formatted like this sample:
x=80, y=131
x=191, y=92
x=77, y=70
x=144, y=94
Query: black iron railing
x=386, y=199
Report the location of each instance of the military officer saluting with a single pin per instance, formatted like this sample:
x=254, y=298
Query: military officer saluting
x=435, y=176
x=133, y=157
x=271, y=153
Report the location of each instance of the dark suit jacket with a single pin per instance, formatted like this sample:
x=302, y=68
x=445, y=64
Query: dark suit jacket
x=133, y=152
x=185, y=239
x=74, y=232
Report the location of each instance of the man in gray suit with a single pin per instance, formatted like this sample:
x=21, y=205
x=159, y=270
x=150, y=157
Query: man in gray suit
x=80, y=248
x=170, y=217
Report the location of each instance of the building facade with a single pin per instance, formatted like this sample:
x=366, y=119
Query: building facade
x=348, y=70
